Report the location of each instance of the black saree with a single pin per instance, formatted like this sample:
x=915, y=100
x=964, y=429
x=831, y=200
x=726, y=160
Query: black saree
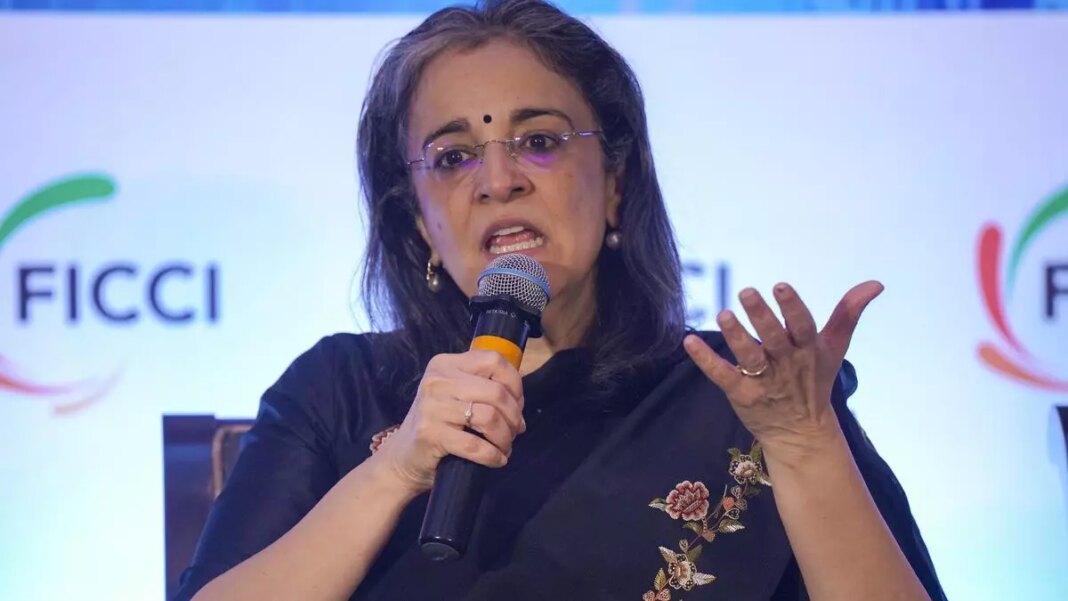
x=654, y=492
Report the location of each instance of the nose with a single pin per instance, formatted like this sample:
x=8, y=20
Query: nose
x=500, y=178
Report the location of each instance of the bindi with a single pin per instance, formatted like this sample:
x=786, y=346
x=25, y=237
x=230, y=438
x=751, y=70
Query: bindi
x=487, y=119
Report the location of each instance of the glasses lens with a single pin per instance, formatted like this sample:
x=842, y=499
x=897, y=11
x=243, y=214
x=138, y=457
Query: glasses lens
x=539, y=149
x=445, y=156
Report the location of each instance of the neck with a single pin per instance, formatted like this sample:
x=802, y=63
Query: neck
x=564, y=324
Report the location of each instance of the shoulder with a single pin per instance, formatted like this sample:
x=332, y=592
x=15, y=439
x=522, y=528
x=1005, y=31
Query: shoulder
x=329, y=384
x=341, y=355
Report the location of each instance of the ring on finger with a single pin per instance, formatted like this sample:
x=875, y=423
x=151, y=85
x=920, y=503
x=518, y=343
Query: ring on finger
x=755, y=372
x=469, y=414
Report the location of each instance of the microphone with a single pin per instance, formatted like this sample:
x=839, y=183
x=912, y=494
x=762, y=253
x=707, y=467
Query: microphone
x=512, y=292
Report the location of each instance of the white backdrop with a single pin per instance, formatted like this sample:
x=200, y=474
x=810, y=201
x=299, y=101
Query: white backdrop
x=818, y=150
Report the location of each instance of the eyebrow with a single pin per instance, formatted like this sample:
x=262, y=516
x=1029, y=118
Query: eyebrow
x=517, y=116
x=527, y=113
x=452, y=127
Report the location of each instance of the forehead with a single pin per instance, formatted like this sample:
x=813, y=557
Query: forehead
x=493, y=79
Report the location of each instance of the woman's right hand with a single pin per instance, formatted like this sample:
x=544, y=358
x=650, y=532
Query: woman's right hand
x=434, y=426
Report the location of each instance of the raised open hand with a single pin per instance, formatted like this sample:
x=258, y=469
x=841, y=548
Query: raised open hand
x=781, y=387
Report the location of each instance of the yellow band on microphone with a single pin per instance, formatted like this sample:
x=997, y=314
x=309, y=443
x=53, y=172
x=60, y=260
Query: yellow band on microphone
x=508, y=349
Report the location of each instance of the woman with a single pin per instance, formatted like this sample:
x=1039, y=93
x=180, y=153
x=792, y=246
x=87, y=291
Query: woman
x=624, y=450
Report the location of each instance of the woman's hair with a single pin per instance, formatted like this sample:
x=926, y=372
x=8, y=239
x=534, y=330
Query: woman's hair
x=639, y=314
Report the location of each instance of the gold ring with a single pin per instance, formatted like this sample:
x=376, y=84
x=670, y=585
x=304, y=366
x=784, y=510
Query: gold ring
x=469, y=414
x=754, y=373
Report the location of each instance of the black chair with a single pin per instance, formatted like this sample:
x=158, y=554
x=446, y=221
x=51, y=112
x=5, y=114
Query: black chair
x=198, y=454
x=1063, y=411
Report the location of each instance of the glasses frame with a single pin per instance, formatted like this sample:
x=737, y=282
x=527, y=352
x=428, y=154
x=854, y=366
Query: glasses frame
x=509, y=143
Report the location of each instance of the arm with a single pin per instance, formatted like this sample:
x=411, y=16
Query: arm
x=327, y=554
x=884, y=489
x=843, y=547
x=285, y=527
x=782, y=390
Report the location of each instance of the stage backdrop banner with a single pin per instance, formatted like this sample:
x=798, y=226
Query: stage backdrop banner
x=179, y=219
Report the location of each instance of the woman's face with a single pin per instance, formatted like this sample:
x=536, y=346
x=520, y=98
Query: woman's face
x=551, y=202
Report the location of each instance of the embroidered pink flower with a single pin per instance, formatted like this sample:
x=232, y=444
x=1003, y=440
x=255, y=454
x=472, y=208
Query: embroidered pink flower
x=728, y=502
x=689, y=501
x=663, y=595
x=378, y=439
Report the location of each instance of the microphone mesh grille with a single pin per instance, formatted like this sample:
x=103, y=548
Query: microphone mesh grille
x=518, y=276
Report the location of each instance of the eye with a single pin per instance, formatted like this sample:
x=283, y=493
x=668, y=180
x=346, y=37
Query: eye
x=539, y=142
x=451, y=157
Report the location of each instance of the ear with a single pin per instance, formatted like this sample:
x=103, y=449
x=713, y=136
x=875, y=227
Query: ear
x=613, y=197
x=421, y=226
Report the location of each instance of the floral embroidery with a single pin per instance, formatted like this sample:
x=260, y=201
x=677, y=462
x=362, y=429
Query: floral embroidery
x=690, y=502
x=378, y=439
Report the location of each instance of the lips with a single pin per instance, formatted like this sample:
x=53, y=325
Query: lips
x=509, y=236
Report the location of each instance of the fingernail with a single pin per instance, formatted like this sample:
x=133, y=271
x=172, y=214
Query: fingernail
x=781, y=289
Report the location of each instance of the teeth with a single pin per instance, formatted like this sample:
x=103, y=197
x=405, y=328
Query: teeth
x=515, y=229
x=511, y=248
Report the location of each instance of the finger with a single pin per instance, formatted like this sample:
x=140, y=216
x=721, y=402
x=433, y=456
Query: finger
x=718, y=369
x=473, y=448
x=799, y=323
x=772, y=335
x=746, y=350
x=493, y=366
x=467, y=388
x=488, y=422
x=838, y=331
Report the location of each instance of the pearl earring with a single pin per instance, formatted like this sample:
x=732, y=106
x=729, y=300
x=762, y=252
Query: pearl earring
x=613, y=239
x=433, y=278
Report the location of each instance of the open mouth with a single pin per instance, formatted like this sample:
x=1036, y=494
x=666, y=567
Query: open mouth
x=513, y=239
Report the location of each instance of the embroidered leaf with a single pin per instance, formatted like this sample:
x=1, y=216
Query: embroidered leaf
x=742, y=504
x=763, y=479
x=694, y=553
x=752, y=491
x=735, y=453
x=709, y=535
x=695, y=526
x=736, y=491
x=757, y=452
x=660, y=581
x=684, y=545
x=728, y=525
x=658, y=505
x=669, y=555
x=700, y=578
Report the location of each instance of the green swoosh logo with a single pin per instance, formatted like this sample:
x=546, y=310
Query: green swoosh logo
x=1043, y=216
x=70, y=191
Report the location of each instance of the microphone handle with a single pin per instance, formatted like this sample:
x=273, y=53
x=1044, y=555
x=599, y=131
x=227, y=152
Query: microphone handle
x=459, y=483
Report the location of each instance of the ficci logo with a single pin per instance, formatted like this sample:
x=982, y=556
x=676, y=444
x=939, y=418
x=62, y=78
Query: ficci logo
x=1011, y=358
x=85, y=291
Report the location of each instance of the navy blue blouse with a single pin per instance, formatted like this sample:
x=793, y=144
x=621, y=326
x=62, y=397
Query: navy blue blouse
x=654, y=494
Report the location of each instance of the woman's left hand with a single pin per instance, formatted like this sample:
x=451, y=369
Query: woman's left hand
x=785, y=400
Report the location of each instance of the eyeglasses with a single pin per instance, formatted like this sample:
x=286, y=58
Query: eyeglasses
x=541, y=149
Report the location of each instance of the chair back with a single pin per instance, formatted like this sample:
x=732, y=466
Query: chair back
x=198, y=453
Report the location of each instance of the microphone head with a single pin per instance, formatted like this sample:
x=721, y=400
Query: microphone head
x=517, y=276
